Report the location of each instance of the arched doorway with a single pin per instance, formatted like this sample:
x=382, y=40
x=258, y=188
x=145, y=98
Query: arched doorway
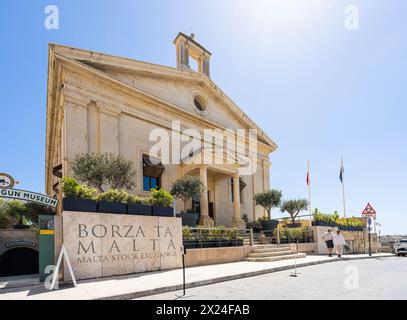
x=18, y=261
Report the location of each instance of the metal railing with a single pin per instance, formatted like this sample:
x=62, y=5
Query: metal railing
x=285, y=235
x=216, y=237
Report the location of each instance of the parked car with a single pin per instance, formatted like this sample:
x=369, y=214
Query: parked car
x=401, y=247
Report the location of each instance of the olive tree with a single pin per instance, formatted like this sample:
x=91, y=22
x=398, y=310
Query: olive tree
x=294, y=207
x=268, y=200
x=186, y=188
x=100, y=169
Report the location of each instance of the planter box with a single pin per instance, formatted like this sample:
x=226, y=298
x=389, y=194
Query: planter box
x=347, y=228
x=236, y=243
x=256, y=230
x=269, y=225
x=208, y=244
x=324, y=224
x=163, y=211
x=112, y=207
x=293, y=225
x=190, y=244
x=226, y=243
x=139, y=209
x=76, y=204
x=188, y=219
x=21, y=227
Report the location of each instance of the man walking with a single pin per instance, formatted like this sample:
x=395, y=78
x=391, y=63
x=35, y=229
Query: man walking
x=339, y=242
x=328, y=238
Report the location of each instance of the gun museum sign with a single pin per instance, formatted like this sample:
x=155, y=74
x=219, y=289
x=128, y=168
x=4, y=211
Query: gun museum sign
x=101, y=245
x=28, y=196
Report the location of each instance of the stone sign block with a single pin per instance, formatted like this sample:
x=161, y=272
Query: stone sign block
x=101, y=245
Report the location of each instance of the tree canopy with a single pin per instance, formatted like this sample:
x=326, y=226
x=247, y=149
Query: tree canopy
x=186, y=188
x=294, y=207
x=268, y=200
x=101, y=169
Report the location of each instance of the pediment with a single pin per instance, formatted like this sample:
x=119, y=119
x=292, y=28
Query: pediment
x=178, y=87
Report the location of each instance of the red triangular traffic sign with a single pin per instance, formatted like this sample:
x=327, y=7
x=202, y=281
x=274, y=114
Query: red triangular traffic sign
x=369, y=210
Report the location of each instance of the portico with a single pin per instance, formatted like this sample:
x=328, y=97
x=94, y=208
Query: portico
x=220, y=182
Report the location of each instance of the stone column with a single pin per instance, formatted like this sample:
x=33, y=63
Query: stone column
x=237, y=221
x=204, y=220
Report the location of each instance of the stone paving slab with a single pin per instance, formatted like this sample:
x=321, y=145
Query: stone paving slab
x=139, y=285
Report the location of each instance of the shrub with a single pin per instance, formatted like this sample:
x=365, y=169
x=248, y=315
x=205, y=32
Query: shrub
x=187, y=233
x=69, y=186
x=138, y=200
x=72, y=189
x=85, y=192
x=5, y=220
x=161, y=197
x=114, y=195
x=263, y=218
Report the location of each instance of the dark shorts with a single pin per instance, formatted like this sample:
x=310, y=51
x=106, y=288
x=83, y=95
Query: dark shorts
x=329, y=244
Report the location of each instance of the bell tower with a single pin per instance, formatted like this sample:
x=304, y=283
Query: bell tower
x=186, y=48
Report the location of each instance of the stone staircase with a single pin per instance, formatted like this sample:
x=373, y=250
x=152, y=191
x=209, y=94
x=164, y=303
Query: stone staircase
x=272, y=252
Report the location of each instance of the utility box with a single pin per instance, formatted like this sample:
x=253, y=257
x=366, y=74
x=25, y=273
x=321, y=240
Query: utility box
x=46, y=244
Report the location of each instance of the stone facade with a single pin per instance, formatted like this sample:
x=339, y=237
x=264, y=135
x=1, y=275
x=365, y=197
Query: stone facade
x=101, y=245
x=101, y=103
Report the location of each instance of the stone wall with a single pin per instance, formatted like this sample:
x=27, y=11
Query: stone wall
x=101, y=245
x=12, y=238
x=357, y=241
x=199, y=257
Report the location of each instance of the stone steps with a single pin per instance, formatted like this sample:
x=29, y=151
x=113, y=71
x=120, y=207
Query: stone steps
x=272, y=252
x=269, y=254
x=276, y=258
x=271, y=249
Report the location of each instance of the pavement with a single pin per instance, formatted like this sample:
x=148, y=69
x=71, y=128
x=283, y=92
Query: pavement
x=153, y=283
x=368, y=279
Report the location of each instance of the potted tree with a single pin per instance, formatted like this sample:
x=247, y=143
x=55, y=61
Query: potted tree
x=104, y=170
x=185, y=189
x=113, y=201
x=268, y=200
x=293, y=208
x=78, y=197
x=161, y=201
x=138, y=206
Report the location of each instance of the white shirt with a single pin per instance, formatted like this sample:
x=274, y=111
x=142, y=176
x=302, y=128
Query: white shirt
x=328, y=236
x=339, y=240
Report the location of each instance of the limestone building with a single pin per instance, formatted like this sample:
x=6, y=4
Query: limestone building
x=102, y=103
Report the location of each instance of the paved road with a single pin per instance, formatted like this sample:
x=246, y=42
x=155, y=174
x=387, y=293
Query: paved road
x=361, y=279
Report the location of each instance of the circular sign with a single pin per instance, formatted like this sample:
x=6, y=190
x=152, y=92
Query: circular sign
x=6, y=181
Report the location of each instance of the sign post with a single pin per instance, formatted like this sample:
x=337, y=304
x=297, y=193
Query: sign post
x=369, y=222
x=370, y=213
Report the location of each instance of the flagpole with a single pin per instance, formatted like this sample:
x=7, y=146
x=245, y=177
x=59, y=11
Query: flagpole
x=343, y=188
x=309, y=188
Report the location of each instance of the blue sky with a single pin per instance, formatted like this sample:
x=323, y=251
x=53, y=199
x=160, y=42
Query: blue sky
x=319, y=90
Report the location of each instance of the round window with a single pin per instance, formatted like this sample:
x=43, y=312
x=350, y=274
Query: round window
x=200, y=103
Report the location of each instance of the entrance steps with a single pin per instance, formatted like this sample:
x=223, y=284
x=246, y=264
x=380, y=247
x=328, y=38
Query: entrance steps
x=272, y=252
